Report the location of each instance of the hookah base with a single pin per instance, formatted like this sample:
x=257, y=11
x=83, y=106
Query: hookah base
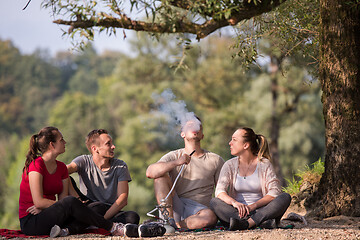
x=169, y=228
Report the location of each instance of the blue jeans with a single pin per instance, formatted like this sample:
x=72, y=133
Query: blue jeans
x=273, y=210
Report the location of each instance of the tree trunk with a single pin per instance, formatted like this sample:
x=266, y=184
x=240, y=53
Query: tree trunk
x=275, y=122
x=339, y=189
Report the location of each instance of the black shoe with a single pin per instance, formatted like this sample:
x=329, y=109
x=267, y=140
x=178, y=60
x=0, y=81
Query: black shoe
x=268, y=224
x=151, y=230
x=131, y=230
x=238, y=224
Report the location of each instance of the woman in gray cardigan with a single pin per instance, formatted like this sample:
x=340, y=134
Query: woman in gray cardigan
x=248, y=192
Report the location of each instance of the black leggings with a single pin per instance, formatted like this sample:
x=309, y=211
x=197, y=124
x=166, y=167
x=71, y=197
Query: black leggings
x=273, y=210
x=68, y=213
x=122, y=216
x=101, y=208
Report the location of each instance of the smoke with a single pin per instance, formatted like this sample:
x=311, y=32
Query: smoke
x=175, y=112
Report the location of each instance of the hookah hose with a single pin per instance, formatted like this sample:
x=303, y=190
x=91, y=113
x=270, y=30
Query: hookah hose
x=163, y=201
x=176, y=179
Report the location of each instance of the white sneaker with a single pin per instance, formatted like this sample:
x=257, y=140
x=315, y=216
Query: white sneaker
x=118, y=229
x=56, y=231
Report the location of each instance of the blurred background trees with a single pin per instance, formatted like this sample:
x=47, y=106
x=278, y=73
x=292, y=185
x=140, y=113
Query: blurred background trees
x=86, y=90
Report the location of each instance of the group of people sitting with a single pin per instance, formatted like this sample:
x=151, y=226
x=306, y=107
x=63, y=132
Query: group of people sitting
x=248, y=193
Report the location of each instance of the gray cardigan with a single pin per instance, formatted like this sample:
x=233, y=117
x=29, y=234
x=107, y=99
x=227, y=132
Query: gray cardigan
x=270, y=184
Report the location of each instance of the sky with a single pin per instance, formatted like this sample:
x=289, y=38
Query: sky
x=32, y=28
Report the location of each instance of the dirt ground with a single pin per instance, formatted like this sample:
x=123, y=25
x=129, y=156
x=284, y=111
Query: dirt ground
x=339, y=228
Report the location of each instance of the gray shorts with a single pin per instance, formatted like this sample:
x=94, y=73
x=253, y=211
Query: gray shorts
x=185, y=207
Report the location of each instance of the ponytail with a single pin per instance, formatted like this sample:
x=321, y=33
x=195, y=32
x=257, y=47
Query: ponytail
x=33, y=152
x=264, y=150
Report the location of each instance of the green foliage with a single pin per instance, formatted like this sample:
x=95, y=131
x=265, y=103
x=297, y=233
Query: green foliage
x=310, y=174
x=86, y=66
x=29, y=85
x=8, y=153
x=11, y=195
x=292, y=186
x=293, y=26
x=317, y=169
x=76, y=115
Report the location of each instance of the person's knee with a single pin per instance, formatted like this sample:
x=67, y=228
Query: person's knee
x=214, y=202
x=133, y=217
x=217, y=205
x=207, y=218
x=99, y=207
x=163, y=181
x=69, y=200
x=286, y=198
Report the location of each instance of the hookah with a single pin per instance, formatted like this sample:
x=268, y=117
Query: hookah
x=162, y=207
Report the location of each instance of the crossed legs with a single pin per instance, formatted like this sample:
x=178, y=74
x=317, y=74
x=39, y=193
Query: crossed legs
x=101, y=208
x=273, y=210
x=202, y=218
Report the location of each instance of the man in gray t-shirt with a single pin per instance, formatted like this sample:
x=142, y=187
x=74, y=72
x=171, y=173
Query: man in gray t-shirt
x=103, y=179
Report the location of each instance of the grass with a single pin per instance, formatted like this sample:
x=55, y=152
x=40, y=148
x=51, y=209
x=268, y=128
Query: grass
x=311, y=174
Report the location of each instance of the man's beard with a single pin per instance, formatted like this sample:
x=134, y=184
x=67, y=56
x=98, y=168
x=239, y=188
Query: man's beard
x=194, y=139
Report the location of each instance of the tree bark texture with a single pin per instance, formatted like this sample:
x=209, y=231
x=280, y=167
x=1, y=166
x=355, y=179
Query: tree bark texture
x=339, y=188
x=275, y=121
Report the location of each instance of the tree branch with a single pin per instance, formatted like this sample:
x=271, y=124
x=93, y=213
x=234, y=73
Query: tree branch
x=182, y=26
x=126, y=23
